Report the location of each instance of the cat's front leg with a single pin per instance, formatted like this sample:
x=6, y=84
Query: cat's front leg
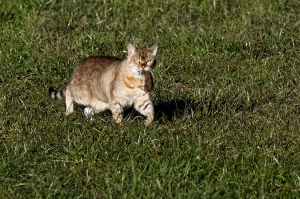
x=144, y=106
x=117, y=111
x=150, y=114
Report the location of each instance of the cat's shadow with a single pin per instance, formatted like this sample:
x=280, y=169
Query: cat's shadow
x=163, y=110
x=167, y=110
x=174, y=107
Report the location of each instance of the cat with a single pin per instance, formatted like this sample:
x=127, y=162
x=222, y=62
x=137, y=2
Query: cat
x=107, y=83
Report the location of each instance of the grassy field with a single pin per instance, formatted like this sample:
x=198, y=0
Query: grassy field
x=226, y=99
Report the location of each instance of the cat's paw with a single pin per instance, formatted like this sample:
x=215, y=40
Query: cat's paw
x=149, y=119
x=88, y=112
x=148, y=122
x=118, y=117
x=68, y=113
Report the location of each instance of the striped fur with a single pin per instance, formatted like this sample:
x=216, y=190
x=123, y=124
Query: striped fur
x=60, y=95
x=101, y=83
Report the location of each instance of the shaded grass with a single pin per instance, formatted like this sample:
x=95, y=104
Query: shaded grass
x=226, y=101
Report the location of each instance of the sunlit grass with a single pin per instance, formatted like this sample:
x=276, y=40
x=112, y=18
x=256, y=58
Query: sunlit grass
x=226, y=100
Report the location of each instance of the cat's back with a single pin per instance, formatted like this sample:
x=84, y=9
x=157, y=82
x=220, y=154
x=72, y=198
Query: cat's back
x=98, y=63
x=95, y=66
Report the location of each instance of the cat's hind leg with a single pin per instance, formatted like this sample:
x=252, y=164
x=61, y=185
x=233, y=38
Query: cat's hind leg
x=144, y=106
x=117, y=111
x=88, y=112
x=69, y=102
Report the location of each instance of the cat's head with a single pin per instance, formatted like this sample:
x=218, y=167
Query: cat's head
x=141, y=59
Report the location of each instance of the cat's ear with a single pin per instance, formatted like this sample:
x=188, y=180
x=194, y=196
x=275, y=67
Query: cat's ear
x=153, y=49
x=130, y=49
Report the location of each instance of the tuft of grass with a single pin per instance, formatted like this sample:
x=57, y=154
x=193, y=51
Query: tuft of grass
x=226, y=100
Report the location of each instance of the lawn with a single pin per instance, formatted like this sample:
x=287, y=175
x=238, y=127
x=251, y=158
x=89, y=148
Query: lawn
x=226, y=96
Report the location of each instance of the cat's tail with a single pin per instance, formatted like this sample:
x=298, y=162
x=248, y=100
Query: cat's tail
x=60, y=95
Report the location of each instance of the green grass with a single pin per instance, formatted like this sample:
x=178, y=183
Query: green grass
x=226, y=100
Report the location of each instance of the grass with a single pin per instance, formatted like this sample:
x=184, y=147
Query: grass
x=226, y=100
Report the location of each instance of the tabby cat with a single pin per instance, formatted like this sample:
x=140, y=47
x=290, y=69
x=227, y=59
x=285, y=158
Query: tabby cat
x=101, y=83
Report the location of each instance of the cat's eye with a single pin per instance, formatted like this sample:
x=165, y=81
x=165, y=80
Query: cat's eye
x=149, y=61
x=136, y=60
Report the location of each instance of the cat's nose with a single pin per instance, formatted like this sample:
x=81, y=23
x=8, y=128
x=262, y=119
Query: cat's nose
x=143, y=66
